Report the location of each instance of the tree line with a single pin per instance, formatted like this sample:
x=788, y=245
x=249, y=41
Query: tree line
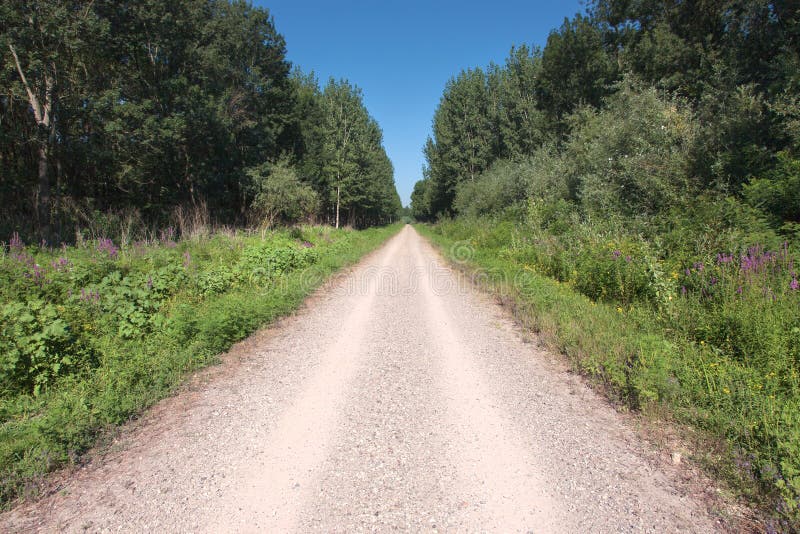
x=631, y=108
x=110, y=107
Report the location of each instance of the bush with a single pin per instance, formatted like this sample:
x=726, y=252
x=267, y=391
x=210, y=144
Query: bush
x=634, y=157
x=280, y=196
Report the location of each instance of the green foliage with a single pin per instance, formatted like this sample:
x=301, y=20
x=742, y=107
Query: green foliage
x=576, y=69
x=89, y=338
x=343, y=156
x=504, y=185
x=156, y=106
x=34, y=344
x=632, y=157
x=778, y=193
x=280, y=196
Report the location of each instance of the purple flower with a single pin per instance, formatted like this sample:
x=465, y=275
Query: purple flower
x=713, y=280
x=739, y=290
x=107, y=246
x=616, y=253
x=793, y=285
x=60, y=264
x=16, y=243
x=307, y=244
x=683, y=290
x=167, y=236
x=628, y=259
x=90, y=296
x=699, y=266
x=149, y=282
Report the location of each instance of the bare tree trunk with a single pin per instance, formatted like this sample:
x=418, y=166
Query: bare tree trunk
x=337, y=206
x=41, y=114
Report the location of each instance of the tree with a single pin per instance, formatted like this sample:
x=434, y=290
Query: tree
x=465, y=137
x=46, y=48
x=280, y=196
x=576, y=70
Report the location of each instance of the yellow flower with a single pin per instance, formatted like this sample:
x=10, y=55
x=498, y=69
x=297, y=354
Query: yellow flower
x=619, y=309
x=726, y=391
x=702, y=342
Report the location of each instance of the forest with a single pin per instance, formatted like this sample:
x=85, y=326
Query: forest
x=634, y=186
x=131, y=115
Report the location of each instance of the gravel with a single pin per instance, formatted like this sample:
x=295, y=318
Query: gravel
x=398, y=398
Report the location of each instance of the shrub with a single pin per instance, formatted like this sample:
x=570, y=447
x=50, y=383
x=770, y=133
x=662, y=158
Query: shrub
x=280, y=196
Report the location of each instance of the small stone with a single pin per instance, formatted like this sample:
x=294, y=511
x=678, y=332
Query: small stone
x=676, y=458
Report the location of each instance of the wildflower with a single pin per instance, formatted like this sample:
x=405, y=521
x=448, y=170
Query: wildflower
x=616, y=253
x=726, y=391
x=307, y=244
x=619, y=309
x=106, y=245
x=60, y=264
x=628, y=259
x=149, y=282
x=739, y=290
x=793, y=285
x=16, y=243
x=683, y=290
x=713, y=280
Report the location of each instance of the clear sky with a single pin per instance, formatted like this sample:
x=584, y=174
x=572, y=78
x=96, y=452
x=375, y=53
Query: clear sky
x=401, y=54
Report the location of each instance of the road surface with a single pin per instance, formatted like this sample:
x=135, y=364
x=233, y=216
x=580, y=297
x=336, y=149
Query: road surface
x=398, y=398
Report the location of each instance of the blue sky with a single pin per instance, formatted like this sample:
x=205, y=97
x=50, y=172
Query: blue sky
x=401, y=54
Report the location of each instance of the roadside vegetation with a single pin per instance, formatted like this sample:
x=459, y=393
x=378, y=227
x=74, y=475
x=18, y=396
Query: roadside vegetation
x=92, y=334
x=634, y=188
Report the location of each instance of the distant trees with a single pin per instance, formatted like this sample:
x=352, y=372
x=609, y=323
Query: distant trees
x=148, y=105
x=636, y=106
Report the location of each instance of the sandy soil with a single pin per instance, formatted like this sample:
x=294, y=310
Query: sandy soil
x=399, y=398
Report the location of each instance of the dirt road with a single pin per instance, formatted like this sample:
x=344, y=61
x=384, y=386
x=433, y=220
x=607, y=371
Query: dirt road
x=398, y=399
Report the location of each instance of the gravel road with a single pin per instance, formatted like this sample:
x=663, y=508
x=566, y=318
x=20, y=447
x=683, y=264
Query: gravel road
x=398, y=398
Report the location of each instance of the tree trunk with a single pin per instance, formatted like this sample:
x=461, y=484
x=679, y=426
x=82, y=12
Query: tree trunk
x=43, y=196
x=46, y=136
x=337, y=206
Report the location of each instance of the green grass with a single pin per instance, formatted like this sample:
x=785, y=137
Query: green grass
x=92, y=335
x=648, y=344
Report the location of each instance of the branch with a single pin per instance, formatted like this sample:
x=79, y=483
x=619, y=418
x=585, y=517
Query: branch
x=37, y=110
